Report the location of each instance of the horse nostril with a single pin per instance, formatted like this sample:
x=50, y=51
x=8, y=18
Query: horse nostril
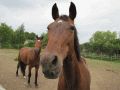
x=45, y=72
x=55, y=60
x=52, y=73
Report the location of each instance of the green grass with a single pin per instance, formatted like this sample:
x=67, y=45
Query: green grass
x=95, y=63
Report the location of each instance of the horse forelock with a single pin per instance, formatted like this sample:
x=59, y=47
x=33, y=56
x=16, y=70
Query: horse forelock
x=64, y=17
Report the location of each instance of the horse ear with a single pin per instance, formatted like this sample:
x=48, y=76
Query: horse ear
x=55, y=12
x=72, y=11
x=36, y=36
x=41, y=37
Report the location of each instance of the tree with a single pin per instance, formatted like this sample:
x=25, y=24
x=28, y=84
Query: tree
x=102, y=41
x=6, y=34
x=19, y=37
x=29, y=39
x=30, y=36
x=45, y=39
x=86, y=47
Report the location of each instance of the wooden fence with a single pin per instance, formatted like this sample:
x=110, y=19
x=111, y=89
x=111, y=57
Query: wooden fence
x=101, y=56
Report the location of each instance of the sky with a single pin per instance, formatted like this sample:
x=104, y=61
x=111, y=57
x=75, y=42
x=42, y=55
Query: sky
x=92, y=15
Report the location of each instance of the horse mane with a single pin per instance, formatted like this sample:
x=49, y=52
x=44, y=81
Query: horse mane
x=76, y=45
x=76, y=41
x=64, y=17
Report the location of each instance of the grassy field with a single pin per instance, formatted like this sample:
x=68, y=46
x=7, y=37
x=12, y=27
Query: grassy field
x=114, y=65
x=105, y=75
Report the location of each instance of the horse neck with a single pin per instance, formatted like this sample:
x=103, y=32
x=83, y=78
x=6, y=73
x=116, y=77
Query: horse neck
x=71, y=72
x=37, y=49
x=37, y=46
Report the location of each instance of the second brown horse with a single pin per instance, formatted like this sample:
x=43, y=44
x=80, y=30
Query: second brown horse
x=30, y=57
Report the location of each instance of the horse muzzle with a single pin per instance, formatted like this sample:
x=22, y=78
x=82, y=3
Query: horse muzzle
x=51, y=74
x=51, y=67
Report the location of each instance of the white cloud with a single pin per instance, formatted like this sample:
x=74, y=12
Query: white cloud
x=92, y=15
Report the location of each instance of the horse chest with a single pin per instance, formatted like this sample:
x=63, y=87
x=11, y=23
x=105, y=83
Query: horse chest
x=73, y=85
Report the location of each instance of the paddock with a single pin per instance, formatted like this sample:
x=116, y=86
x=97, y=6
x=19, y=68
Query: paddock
x=105, y=75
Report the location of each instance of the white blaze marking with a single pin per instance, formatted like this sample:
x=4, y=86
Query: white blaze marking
x=60, y=21
x=1, y=88
x=38, y=40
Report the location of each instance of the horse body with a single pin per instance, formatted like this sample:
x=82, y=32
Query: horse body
x=62, y=54
x=30, y=57
x=74, y=75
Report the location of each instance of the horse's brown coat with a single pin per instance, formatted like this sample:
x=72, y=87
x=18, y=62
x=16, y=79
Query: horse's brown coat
x=30, y=57
x=62, y=54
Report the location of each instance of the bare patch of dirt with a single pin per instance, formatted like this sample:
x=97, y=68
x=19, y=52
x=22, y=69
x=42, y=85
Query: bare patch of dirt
x=103, y=76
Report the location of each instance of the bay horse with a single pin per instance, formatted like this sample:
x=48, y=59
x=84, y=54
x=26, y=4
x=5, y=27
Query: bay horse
x=30, y=57
x=62, y=54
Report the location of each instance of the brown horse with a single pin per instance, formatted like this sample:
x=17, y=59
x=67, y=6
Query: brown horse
x=31, y=57
x=62, y=55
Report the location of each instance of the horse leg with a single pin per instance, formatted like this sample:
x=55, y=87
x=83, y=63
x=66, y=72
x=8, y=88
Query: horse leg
x=23, y=67
x=29, y=74
x=24, y=71
x=36, y=75
x=18, y=65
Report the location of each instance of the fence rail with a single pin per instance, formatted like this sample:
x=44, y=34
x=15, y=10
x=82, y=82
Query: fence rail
x=101, y=56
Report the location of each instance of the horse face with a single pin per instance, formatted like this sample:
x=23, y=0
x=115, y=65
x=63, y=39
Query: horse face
x=60, y=39
x=38, y=42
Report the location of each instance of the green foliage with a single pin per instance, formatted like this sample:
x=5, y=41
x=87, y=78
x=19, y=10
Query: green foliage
x=29, y=43
x=6, y=34
x=101, y=56
x=103, y=42
x=18, y=38
x=86, y=47
x=45, y=40
x=105, y=45
x=10, y=38
x=29, y=36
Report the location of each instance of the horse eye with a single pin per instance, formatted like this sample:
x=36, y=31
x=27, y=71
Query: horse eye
x=72, y=28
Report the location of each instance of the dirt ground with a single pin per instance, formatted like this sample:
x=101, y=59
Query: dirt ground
x=104, y=75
